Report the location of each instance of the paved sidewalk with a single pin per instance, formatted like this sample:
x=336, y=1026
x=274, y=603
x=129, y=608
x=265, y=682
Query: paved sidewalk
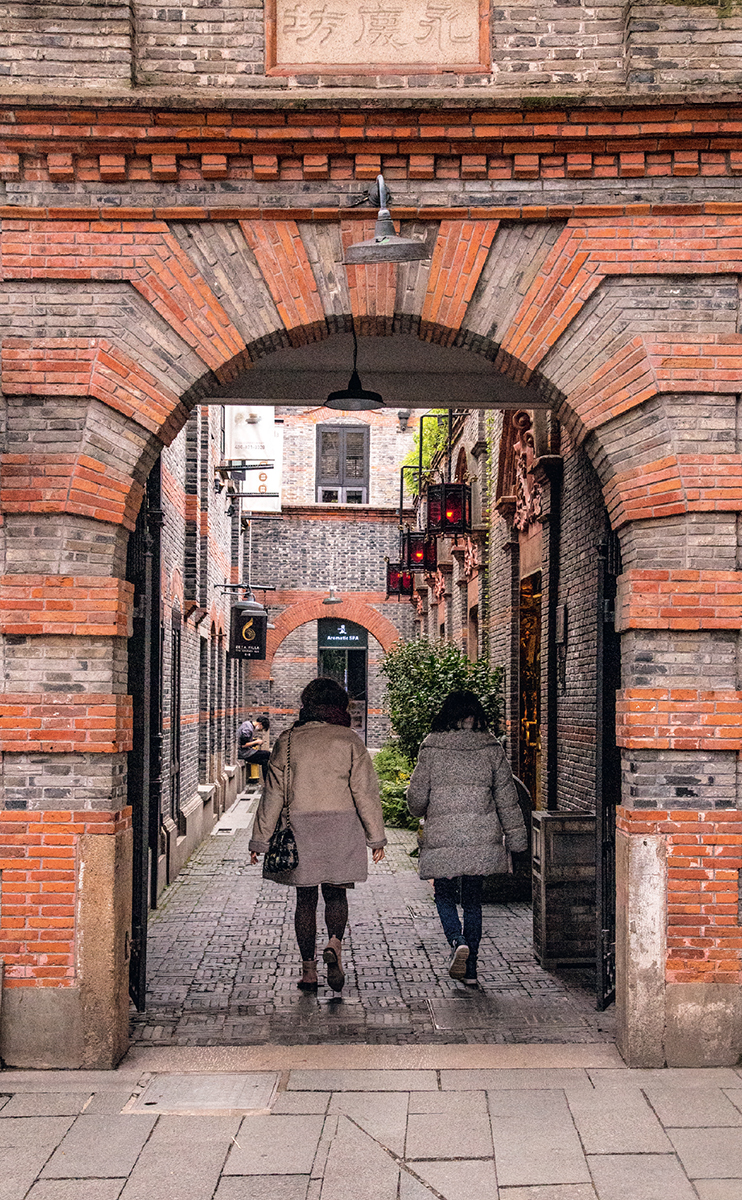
x=192, y=1125
x=222, y=965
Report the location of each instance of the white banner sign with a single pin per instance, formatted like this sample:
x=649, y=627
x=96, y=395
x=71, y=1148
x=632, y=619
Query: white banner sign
x=252, y=436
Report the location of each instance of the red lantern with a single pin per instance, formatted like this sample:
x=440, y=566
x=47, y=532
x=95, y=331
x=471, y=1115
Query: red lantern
x=419, y=551
x=399, y=581
x=449, y=508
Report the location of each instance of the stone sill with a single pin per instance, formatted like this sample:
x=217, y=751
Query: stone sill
x=262, y=94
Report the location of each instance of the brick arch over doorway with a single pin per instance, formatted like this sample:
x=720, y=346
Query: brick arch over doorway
x=624, y=320
x=308, y=609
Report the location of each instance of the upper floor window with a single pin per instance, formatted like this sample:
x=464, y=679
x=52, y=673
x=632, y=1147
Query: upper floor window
x=342, y=464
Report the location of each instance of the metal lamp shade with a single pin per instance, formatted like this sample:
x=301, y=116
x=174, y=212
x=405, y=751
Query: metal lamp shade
x=354, y=398
x=448, y=508
x=386, y=246
x=399, y=581
x=419, y=551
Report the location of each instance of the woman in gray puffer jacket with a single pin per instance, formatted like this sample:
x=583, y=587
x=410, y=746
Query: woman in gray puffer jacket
x=464, y=788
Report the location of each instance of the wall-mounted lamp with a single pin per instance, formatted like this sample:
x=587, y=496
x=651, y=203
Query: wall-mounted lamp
x=403, y=417
x=332, y=598
x=386, y=245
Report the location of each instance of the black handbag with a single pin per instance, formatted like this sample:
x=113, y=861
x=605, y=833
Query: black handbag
x=282, y=855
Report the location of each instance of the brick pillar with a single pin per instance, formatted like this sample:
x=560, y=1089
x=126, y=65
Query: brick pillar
x=72, y=481
x=679, y=838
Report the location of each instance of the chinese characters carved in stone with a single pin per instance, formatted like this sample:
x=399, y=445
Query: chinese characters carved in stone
x=384, y=33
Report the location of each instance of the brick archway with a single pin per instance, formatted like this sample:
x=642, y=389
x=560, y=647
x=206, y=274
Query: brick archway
x=181, y=322
x=356, y=608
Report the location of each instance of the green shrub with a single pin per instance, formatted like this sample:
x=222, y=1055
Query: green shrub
x=394, y=770
x=420, y=674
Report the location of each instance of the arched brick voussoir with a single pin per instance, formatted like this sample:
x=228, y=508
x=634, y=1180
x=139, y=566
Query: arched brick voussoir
x=650, y=365
x=69, y=483
x=459, y=257
x=678, y=483
x=282, y=258
x=361, y=611
x=587, y=251
x=144, y=253
x=91, y=367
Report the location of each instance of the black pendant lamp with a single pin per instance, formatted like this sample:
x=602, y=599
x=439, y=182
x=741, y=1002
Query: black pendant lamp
x=354, y=398
x=386, y=245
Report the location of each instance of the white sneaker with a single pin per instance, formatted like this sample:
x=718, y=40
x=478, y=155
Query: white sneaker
x=457, y=965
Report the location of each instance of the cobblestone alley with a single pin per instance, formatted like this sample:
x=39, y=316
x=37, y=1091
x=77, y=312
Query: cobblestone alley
x=222, y=965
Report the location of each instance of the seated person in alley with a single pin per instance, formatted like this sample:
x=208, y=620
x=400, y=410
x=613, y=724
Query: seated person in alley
x=254, y=747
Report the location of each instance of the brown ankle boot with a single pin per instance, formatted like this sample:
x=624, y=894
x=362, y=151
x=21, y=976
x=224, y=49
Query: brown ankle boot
x=308, y=981
x=331, y=956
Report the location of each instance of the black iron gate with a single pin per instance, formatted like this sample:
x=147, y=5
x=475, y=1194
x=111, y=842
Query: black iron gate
x=144, y=765
x=608, y=770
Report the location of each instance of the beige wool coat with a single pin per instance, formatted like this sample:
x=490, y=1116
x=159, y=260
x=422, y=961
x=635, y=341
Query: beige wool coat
x=335, y=806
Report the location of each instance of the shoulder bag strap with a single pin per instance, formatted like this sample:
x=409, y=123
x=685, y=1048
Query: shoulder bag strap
x=287, y=782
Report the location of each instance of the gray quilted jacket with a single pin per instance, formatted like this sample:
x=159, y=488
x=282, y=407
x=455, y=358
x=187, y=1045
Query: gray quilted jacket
x=464, y=788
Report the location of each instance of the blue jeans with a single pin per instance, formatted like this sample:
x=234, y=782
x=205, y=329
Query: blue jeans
x=447, y=892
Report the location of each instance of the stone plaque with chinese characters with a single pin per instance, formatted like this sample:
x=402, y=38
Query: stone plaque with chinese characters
x=371, y=35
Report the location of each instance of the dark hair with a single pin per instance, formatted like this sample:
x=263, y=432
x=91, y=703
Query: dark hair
x=264, y=722
x=324, y=693
x=456, y=707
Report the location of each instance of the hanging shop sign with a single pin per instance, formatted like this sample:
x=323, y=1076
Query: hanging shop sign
x=247, y=635
x=343, y=635
x=252, y=436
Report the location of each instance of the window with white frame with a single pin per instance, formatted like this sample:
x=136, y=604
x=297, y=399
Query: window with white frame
x=342, y=464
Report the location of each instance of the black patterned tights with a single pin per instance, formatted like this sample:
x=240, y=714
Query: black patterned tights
x=305, y=918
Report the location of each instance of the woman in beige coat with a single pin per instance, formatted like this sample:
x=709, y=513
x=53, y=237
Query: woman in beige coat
x=335, y=815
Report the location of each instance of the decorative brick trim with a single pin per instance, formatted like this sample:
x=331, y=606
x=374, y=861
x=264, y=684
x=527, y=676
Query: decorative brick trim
x=144, y=253
x=91, y=367
x=460, y=253
x=675, y=484
x=61, y=723
x=281, y=256
x=372, y=289
x=38, y=859
x=68, y=483
x=678, y=719
x=679, y=600
x=68, y=143
x=704, y=860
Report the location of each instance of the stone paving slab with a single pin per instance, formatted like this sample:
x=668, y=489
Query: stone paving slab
x=454, y=1180
x=709, y=1153
x=25, y=1146
x=640, y=1177
x=718, y=1189
x=570, y=1191
x=273, y=1187
x=99, y=1147
x=77, y=1189
x=627, y=1127
x=363, y=1081
x=46, y=1104
x=535, y=1139
x=382, y=1115
x=275, y=1145
x=180, y=1162
x=681, y=1107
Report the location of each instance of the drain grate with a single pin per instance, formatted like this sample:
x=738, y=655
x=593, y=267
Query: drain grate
x=207, y=1095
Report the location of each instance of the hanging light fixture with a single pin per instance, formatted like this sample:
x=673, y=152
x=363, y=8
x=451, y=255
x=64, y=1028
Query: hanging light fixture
x=354, y=398
x=399, y=581
x=386, y=245
x=448, y=508
x=419, y=550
